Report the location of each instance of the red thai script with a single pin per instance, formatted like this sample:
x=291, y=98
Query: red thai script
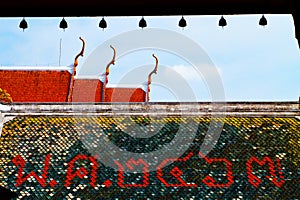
x=175, y=172
x=82, y=172
x=20, y=162
x=275, y=174
x=209, y=181
x=255, y=181
x=129, y=165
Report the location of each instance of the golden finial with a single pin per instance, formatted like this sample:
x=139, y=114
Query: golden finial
x=74, y=71
x=154, y=71
x=112, y=62
x=80, y=54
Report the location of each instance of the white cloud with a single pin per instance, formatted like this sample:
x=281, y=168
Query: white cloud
x=191, y=73
x=187, y=72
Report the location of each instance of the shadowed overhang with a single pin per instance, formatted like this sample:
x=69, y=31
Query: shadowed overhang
x=143, y=8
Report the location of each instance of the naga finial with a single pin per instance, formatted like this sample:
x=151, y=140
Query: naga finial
x=112, y=62
x=154, y=71
x=69, y=99
x=81, y=52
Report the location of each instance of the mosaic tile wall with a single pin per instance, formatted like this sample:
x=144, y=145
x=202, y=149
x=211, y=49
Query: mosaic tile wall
x=254, y=158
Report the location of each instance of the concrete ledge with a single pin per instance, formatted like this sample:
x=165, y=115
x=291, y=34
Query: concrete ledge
x=156, y=108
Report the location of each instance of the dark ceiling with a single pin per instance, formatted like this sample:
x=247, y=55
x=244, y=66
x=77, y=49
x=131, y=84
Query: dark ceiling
x=41, y=8
x=95, y=8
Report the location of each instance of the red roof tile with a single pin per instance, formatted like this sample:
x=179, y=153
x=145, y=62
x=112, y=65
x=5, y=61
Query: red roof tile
x=53, y=86
x=125, y=95
x=36, y=85
x=87, y=90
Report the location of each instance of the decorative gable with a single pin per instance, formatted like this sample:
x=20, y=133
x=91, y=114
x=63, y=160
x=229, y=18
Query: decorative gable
x=125, y=95
x=36, y=86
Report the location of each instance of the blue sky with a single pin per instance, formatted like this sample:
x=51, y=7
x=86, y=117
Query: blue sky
x=255, y=63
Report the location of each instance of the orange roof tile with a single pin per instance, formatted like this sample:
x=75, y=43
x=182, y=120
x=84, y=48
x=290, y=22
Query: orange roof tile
x=36, y=85
x=87, y=90
x=125, y=95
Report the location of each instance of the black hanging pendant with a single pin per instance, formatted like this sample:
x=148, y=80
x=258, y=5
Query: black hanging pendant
x=263, y=21
x=182, y=23
x=23, y=24
x=222, y=22
x=103, y=24
x=63, y=24
x=142, y=23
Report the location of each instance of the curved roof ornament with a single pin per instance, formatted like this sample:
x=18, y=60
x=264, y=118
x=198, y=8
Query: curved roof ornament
x=112, y=62
x=74, y=70
x=80, y=53
x=107, y=71
x=154, y=71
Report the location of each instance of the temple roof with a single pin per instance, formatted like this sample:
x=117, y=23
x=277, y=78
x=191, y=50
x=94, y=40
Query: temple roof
x=42, y=85
x=87, y=90
x=124, y=94
x=52, y=84
x=81, y=143
x=80, y=150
